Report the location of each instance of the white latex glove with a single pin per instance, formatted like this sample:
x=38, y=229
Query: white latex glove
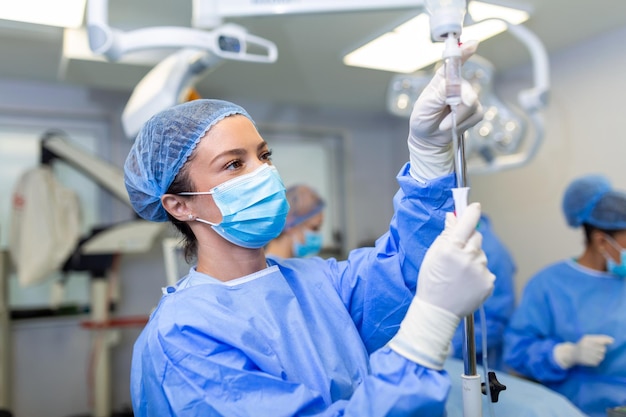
x=588, y=351
x=453, y=282
x=430, y=135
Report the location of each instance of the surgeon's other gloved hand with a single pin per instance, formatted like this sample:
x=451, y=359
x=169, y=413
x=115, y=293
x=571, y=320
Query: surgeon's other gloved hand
x=453, y=282
x=430, y=135
x=588, y=351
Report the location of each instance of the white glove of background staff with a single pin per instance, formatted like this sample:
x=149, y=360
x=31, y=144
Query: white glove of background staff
x=430, y=135
x=453, y=282
x=588, y=351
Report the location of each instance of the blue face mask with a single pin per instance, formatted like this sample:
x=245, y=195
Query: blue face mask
x=254, y=207
x=311, y=246
x=613, y=267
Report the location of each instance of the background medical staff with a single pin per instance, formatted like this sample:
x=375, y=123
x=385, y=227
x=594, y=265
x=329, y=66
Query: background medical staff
x=302, y=234
x=569, y=331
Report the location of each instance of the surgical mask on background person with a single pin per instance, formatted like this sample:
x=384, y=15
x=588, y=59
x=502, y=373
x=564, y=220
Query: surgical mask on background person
x=312, y=245
x=612, y=266
x=254, y=207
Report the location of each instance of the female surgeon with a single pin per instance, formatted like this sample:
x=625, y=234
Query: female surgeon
x=569, y=331
x=302, y=235
x=246, y=335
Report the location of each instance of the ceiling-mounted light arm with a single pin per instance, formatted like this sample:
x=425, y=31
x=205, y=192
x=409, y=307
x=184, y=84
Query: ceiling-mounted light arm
x=228, y=41
x=535, y=98
x=531, y=100
x=209, y=13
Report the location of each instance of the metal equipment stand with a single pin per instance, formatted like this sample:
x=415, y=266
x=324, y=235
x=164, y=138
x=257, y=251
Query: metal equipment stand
x=5, y=337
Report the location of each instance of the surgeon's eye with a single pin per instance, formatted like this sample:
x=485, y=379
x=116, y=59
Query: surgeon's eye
x=267, y=155
x=234, y=164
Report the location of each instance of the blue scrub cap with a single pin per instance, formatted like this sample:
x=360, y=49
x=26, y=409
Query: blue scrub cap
x=591, y=200
x=162, y=147
x=304, y=203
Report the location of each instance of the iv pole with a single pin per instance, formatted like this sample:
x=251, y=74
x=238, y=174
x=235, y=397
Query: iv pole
x=446, y=24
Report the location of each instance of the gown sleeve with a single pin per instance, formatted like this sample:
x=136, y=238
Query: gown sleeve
x=378, y=284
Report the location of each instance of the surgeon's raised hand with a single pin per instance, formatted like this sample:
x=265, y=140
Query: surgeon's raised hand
x=590, y=350
x=430, y=133
x=453, y=281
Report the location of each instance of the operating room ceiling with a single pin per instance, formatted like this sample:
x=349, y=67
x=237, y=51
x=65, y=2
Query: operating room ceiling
x=309, y=70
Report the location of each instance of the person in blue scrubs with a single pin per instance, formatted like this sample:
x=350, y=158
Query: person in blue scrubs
x=248, y=335
x=302, y=235
x=568, y=331
x=499, y=306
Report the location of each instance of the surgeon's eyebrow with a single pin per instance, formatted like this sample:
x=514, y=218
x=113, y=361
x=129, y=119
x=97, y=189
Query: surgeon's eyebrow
x=238, y=152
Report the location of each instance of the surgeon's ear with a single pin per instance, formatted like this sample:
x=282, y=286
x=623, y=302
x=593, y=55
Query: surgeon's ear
x=598, y=240
x=176, y=206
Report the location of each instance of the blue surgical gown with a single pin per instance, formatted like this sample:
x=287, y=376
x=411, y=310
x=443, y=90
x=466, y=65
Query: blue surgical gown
x=499, y=306
x=303, y=337
x=562, y=303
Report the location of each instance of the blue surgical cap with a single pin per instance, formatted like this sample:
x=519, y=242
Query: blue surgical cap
x=162, y=147
x=591, y=200
x=304, y=203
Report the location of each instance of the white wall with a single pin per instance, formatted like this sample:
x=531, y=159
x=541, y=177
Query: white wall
x=583, y=135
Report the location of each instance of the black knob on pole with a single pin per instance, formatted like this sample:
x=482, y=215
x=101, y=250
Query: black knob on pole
x=495, y=387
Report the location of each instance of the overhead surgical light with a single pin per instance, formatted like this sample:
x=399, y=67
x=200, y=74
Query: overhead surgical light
x=505, y=138
x=205, y=49
x=171, y=80
x=196, y=51
x=408, y=47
